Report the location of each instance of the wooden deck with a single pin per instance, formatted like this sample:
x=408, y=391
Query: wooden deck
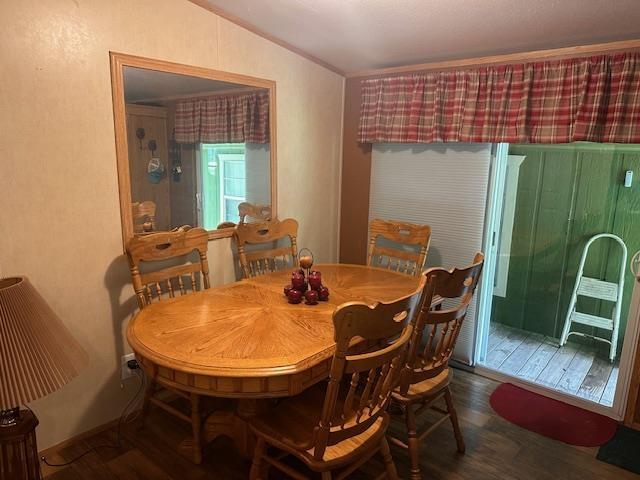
x=581, y=370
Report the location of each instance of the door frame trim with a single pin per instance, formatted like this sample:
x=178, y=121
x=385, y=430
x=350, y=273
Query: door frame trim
x=628, y=355
x=495, y=191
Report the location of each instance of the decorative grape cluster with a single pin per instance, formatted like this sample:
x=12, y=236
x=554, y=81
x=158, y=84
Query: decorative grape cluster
x=308, y=286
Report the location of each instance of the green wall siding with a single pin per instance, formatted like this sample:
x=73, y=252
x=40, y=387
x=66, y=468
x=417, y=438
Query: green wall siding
x=565, y=195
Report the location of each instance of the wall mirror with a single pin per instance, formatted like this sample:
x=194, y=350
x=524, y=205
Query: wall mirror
x=194, y=146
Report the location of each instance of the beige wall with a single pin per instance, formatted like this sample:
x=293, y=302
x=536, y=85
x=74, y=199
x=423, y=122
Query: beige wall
x=59, y=214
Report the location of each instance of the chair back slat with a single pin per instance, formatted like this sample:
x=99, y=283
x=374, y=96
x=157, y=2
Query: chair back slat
x=353, y=405
x=271, y=254
x=267, y=257
x=144, y=216
x=255, y=211
x=176, y=271
x=409, y=250
x=166, y=280
x=437, y=330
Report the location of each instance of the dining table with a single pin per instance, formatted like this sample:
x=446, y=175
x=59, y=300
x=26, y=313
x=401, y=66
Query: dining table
x=245, y=342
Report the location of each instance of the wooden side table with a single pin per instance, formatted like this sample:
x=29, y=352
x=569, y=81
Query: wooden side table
x=18, y=450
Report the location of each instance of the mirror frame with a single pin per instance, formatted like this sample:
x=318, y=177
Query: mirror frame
x=118, y=62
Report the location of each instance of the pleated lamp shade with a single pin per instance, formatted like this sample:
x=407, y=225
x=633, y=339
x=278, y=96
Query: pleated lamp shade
x=38, y=355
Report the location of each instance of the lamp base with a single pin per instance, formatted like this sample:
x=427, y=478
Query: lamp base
x=18, y=448
x=9, y=417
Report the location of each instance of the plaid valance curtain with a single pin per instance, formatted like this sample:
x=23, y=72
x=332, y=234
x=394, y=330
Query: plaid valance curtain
x=592, y=99
x=224, y=119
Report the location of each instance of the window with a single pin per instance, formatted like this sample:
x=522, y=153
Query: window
x=234, y=184
x=222, y=183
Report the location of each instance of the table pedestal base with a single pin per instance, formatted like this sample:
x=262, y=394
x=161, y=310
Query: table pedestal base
x=232, y=424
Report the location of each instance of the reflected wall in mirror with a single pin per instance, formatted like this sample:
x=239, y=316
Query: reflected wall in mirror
x=194, y=145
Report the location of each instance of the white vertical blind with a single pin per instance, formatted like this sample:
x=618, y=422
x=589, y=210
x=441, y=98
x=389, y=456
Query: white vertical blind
x=444, y=186
x=258, y=158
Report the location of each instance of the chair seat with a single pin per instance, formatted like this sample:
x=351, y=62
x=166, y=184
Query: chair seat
x=291, y=423
x=426, y=388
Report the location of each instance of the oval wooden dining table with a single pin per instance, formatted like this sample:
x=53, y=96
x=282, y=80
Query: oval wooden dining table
x=244, y=341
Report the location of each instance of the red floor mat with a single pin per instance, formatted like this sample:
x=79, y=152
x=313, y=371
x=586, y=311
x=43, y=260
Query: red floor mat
x=552, y=418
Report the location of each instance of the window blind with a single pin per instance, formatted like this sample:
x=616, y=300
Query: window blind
x=444, y=186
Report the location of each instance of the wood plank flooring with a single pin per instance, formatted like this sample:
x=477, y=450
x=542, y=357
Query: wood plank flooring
x=496, y=449
x=579, y=370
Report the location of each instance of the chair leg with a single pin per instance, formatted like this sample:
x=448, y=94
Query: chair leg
x=454, y=420
x=414, y=443
x=196, y=426
x=392, y=473
x=257, y=469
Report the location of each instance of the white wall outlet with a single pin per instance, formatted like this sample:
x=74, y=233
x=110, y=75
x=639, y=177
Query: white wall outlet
x=126, y=372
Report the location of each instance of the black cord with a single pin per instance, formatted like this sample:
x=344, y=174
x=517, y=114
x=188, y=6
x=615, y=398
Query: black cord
x=124, y=418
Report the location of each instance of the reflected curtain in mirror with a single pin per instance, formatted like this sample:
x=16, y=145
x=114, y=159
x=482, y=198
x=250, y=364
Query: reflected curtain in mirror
x=223, y=119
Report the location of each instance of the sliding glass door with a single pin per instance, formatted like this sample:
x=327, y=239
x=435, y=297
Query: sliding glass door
x=546, y=203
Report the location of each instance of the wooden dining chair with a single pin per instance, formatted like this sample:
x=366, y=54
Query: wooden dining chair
x=144, y=216
x=226, y=225
x=404, y=246
x=266, y=253
x=169, y=282
x=426, y=376
x=258, y=212
x=334, y=428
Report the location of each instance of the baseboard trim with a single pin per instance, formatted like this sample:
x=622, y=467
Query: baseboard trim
x=461, y=365
x=80, y=437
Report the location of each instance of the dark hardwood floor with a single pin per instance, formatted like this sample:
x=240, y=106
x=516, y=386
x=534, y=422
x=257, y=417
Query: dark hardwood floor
x=496, y=449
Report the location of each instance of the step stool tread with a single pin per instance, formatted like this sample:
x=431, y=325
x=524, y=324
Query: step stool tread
x=592, y=320
x=592, y=287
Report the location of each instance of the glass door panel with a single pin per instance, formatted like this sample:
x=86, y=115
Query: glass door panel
x=554, y=199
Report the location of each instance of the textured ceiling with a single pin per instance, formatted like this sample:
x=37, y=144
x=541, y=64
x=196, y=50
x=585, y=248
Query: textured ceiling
x=355, y=35
x=142, y=85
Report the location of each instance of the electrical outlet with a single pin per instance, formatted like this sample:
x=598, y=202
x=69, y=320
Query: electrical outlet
x=126, y=372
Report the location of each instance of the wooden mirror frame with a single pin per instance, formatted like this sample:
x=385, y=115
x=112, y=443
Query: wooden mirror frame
x=118, y=62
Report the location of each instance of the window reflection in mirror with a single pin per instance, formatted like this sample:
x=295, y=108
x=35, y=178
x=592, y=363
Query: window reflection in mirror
x=198, y=148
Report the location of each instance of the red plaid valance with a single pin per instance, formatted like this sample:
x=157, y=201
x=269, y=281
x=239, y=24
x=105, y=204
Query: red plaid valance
x=224, y=119
x=592, y=99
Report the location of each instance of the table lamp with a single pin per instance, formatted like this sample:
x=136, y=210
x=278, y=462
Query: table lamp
x=38, y=355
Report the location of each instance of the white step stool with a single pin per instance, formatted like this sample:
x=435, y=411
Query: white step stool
x=594, y=288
